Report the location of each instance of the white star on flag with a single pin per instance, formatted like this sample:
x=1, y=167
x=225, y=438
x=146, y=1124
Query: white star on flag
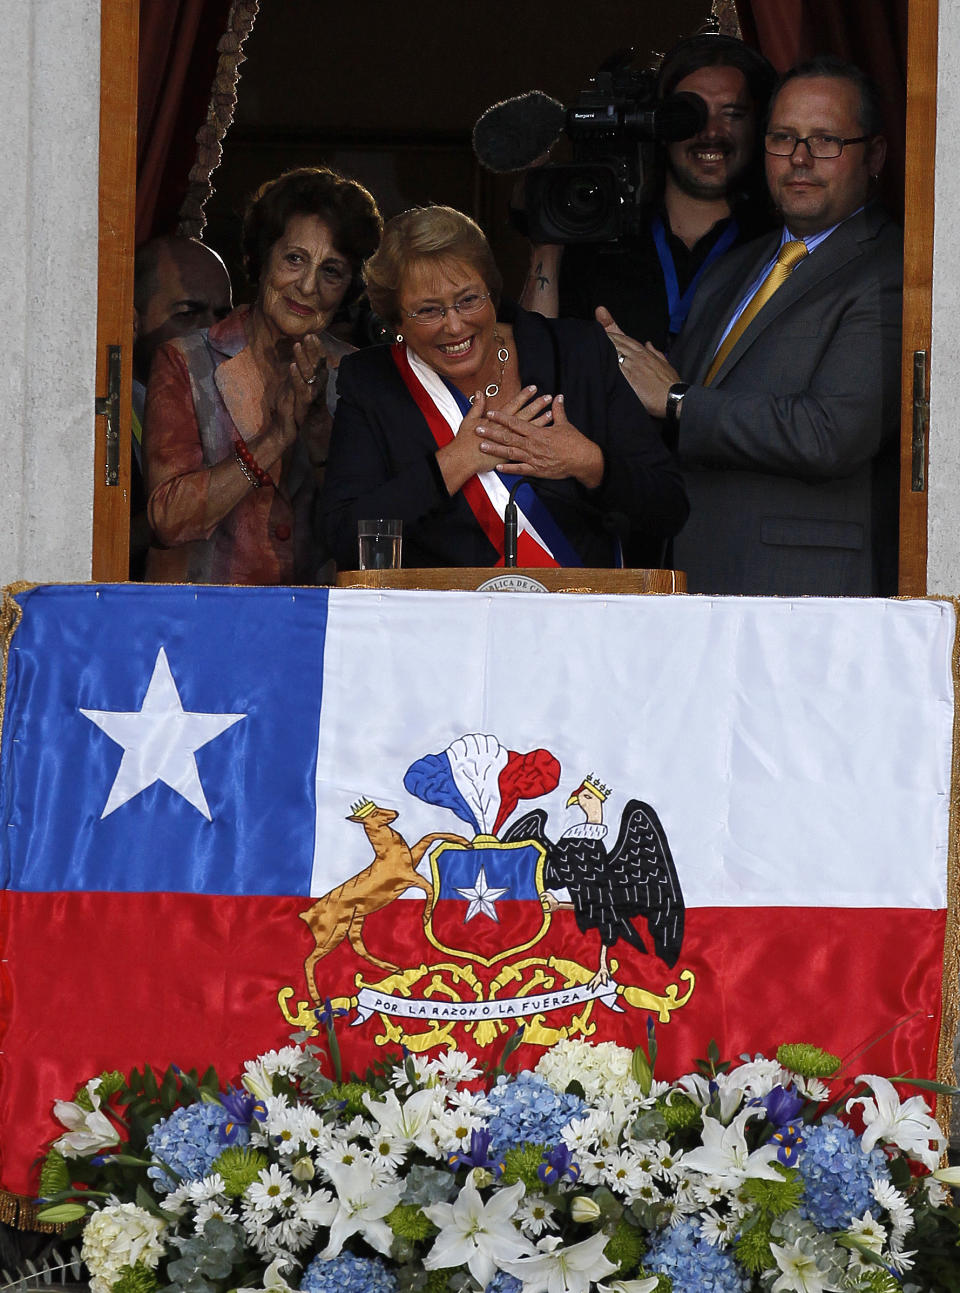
x=159, y=742
x=482, y=898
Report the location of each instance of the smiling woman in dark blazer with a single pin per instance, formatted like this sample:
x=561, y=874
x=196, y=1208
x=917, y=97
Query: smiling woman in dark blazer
x=474, y=397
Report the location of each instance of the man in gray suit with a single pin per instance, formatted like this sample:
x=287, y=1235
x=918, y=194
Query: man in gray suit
x=786, y=423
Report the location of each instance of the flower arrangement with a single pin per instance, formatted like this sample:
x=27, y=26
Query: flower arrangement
x=584, y=1174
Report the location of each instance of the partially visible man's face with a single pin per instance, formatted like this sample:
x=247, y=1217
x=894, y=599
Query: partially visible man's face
x=709, y=165
x=191, y=291
x=813, y=193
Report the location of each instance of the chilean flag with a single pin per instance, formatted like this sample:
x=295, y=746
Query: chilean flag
x=220, y=807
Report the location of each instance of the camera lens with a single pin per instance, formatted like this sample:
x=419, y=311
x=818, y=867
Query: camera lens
x=576, y=203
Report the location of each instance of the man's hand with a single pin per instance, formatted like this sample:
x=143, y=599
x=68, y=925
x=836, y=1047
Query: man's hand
x=644, y=366
x=530, y=448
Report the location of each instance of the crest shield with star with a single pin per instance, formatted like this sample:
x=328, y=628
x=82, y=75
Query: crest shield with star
x=487, y=903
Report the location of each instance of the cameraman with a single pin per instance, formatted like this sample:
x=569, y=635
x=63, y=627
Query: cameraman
x=705, y=195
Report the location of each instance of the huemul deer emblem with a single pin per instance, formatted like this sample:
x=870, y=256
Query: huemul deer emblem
x=340, y=914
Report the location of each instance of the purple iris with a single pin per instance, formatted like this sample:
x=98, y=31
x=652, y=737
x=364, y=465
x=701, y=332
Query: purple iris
x=329, y=1013
x=479, y=1154
x=243, y=1108
x=557, y=1163
x=788, y=1139
x=783, y=1105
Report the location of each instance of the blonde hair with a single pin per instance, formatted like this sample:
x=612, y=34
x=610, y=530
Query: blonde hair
x=436, y=235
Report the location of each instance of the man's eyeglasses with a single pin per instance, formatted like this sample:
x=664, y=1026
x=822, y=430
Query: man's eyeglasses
x=468, y=304
x=780, y=143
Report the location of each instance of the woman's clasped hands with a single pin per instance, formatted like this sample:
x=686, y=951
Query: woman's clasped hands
x=542, y=442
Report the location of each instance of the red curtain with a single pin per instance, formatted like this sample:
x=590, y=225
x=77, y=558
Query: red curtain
x=178, y=62
x=870, y=33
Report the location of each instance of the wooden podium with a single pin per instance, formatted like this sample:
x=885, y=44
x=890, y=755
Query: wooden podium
x=567, y=579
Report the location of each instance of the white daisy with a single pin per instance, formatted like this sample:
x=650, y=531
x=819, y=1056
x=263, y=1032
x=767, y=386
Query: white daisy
x=535, y=1215
x=623, y=1173
x=718, y=1229
x=219, y=1208
x=453, y=1068
x=272, y=1191
x=869, y=1231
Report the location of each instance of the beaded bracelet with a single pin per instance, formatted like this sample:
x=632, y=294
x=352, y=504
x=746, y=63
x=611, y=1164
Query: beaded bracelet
x=250, y=467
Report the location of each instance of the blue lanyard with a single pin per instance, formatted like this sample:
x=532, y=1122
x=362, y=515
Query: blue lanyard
x=678, y=305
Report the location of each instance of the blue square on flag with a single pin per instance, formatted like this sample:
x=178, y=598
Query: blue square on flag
x=164, y=740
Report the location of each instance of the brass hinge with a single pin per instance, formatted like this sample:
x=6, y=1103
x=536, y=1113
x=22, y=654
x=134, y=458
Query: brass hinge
x=109, y=407
x=921, y=423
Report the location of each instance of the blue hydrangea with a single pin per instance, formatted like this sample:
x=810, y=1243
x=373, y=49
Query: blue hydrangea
x=529, y=1112
x=504, y=1283
x=349, y=1274
x=693, y=1264
x=189, y=1141
x=837, y=1174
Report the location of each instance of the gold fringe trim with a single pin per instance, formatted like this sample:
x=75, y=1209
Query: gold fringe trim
x=10, y=616
x=220, y=113
x=16, y=1210
x=20, y=1212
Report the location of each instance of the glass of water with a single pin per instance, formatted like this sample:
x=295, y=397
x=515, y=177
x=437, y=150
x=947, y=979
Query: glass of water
x=380, y=542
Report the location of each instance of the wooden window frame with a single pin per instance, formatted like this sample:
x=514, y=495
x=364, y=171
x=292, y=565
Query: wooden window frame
x=119, y=27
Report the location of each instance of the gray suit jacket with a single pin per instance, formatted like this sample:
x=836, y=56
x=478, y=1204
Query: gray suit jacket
x=790, y=456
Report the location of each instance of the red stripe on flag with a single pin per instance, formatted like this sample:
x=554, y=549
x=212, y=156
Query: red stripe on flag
x=103, y=981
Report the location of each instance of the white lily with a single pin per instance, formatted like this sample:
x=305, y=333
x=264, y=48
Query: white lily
x=704, y=1091
x=647, y=1285
x=413, y=1121
x=362, y=1203
x=479, y=1235
x=88, y=1131
x=724, y=1152
x=948, y=1175
x=800, y=1273
x=273, y=1281
x=555, y=1269
x=907, y=1125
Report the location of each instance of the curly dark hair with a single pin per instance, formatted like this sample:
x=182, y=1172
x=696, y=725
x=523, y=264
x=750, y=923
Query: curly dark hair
x=345, y=205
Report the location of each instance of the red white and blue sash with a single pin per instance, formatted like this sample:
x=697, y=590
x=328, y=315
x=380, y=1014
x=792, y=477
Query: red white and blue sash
x=540, y=540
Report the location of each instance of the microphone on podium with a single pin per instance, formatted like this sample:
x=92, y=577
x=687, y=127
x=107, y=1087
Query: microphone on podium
x=510, y=528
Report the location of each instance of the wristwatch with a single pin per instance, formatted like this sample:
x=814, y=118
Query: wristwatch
x=674, y=399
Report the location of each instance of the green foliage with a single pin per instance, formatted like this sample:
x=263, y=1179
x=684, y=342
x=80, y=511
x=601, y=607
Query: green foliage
x=54, y=1176
x=135, y=1279
x=626, y=1247
x=520, y=1164
x=204, y=1258
x=936, y=1238
x=679, y=1113
x=407, y=1221
x=239, y=1165
x=350, y=1095
x=753, y=1246
x=110, y=1083
x=424, y=1184
x=809, y=1061
x=774, y=1198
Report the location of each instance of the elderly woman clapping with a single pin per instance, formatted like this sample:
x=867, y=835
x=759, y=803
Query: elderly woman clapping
x=436, y=429
x=238, y=416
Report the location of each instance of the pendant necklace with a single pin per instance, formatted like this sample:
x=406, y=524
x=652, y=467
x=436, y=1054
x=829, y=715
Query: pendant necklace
x=503, y=355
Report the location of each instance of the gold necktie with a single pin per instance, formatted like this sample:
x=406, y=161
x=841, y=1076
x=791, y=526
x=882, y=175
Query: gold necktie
x=789, y=255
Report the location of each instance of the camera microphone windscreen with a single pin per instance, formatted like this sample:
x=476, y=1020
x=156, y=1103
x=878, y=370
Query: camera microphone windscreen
x=511, y=135
x=680, y=116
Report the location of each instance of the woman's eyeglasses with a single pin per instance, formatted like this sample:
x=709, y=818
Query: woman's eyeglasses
x=468, y=304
